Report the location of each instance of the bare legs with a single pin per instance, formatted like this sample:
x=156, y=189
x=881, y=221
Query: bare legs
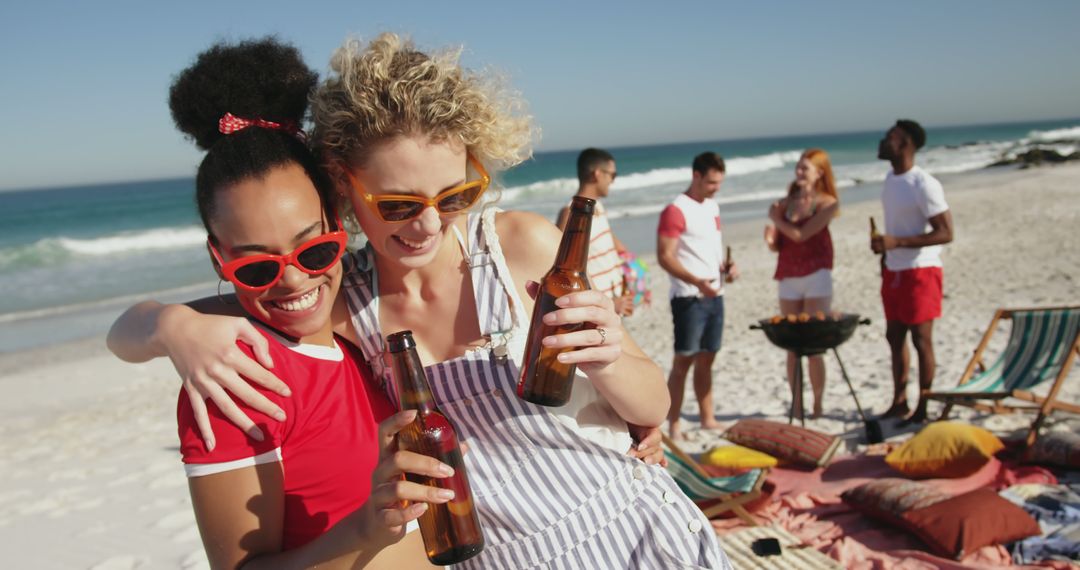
x=702, y=363
x=923, y=339
x=816, y=363
x=896, y=335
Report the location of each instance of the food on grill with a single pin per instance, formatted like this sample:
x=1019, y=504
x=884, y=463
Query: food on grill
x=806, y=317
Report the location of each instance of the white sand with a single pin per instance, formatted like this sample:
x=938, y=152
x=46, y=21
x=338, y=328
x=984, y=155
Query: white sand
x=90, y=475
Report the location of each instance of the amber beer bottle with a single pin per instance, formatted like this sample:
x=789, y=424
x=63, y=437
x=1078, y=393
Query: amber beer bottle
x=727, y=263
x=873, y=229
x=451, y=531
x=545, y=380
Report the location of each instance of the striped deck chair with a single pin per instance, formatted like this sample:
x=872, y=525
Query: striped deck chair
x=730, y=492
x=1042, y=346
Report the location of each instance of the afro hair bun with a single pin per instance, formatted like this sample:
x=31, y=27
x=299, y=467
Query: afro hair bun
x=254, y=79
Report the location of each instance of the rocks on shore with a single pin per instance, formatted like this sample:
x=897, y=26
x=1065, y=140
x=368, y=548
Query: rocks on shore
x=1037, y=157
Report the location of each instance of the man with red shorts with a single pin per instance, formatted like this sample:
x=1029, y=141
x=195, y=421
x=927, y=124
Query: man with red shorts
x=917, y=223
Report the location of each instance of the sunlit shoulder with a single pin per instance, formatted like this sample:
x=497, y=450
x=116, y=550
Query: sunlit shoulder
x=529, y=242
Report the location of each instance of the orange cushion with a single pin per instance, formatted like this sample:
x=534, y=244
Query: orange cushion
x=945, y=449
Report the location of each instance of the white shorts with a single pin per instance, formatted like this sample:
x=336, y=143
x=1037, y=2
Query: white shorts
x=817, y=284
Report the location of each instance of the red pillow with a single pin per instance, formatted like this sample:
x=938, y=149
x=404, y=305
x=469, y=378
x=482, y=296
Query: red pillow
x=958, y=526
x=786, y=442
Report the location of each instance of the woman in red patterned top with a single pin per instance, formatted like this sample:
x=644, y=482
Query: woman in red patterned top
x=800, y=234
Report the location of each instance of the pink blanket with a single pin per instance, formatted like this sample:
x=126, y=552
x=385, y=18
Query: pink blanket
x=808, y=506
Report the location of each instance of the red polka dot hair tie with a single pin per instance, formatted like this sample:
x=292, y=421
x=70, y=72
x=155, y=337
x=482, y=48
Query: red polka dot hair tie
x=230, y=124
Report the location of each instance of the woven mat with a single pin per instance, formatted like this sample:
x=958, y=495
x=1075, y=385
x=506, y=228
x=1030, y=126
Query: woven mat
x=737, y=546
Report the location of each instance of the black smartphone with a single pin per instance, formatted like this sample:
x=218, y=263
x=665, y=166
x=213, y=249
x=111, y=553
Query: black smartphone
x=765, y=547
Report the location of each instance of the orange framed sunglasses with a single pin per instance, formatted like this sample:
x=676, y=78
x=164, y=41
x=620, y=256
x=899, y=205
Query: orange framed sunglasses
x=398, y=208
x=257, y=273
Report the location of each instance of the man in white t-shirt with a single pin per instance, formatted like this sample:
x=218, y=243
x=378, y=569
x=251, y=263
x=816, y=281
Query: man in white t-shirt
x=596, y=173
x=917, y=223
x=689, y=246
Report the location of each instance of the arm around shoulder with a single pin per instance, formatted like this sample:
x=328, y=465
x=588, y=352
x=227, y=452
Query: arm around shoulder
x=133, y=336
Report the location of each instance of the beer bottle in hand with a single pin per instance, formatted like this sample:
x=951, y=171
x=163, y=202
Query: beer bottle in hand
x=544, y=380
x=727, y=265
x=874, y=233
x=451, y=531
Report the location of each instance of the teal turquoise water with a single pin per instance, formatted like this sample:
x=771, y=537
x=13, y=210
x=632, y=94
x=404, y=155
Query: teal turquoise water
x=71, y=257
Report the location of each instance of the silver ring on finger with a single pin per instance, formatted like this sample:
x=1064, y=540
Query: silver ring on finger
x=603, y=334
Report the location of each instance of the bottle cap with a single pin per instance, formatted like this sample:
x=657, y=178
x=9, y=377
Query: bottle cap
x=400, y=341
x=586, y=205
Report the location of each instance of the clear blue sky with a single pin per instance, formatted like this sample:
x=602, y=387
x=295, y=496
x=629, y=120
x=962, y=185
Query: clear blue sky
x=83, y=88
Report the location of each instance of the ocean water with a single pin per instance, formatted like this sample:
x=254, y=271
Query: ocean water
x=72, y=258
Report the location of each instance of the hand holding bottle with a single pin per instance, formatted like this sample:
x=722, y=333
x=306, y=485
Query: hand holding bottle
x=565, y=302
x=451, y=531
x=587, y=347
x=731, y=273
x=879, y=242
x=395, y=501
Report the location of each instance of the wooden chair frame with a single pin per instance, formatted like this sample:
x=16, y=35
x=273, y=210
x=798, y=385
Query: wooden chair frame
x=1042, y=405
x=733, y=502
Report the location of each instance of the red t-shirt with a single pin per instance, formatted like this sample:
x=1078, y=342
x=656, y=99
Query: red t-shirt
x=328, y=444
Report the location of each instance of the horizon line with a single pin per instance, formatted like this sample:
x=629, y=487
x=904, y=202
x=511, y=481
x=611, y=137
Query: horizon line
x=46, y=187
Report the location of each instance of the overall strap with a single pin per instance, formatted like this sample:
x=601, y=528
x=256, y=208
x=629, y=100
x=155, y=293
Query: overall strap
x=498, y=308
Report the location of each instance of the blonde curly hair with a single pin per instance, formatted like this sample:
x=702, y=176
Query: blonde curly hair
x=390, y=89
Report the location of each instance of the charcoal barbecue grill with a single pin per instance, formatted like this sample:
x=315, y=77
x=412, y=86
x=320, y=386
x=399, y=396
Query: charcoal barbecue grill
x=813, y=337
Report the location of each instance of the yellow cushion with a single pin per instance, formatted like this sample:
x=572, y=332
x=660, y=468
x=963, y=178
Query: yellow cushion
x=737, y=457
x=945, y=449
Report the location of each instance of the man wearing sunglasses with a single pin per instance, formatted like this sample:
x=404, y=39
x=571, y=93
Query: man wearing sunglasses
x=596, y=173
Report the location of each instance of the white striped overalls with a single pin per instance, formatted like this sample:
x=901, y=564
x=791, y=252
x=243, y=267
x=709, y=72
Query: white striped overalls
x=547, y=497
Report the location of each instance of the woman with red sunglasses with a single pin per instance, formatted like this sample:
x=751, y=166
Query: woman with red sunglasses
x=407, y=138
x=310, y=489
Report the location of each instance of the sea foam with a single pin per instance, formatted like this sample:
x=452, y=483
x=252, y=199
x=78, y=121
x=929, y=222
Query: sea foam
x=1071, y=133
x=53, y=250
x=736, y=166
x=160, y=238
